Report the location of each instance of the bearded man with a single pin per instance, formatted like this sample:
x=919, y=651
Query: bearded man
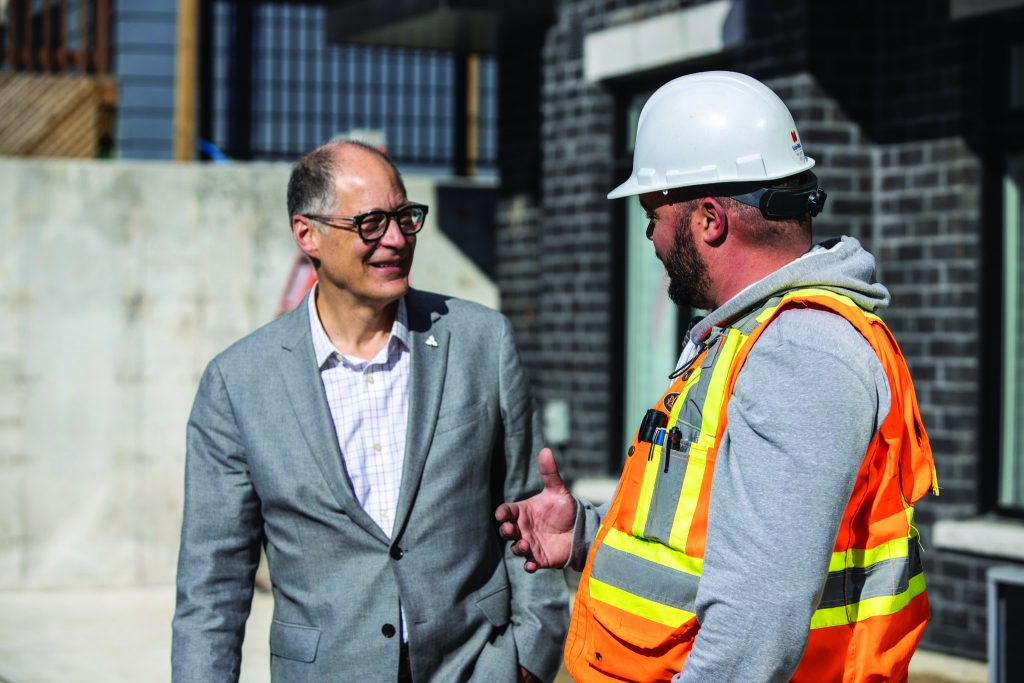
x=762, y=529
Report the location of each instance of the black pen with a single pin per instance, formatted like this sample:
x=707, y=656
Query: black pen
x=674, y=438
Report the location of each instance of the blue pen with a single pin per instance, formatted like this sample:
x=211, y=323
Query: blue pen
x=657, y=440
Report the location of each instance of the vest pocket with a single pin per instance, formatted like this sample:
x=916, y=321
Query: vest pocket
x=642, y=651
x=640, y=600
x=669, y=487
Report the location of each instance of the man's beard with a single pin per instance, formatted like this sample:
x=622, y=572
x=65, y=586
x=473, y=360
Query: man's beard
x=689, y=281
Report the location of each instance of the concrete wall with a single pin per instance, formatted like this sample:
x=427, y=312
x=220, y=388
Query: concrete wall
x=118, y=282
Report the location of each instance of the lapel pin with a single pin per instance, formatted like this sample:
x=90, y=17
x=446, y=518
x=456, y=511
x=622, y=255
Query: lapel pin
x=431, y=341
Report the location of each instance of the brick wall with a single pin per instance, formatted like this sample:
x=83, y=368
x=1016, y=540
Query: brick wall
x=956, y=591
x=556, y=287
x=929, y=224
x=568, y=322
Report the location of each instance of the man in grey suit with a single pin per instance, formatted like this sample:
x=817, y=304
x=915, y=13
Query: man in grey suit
x=364, y=440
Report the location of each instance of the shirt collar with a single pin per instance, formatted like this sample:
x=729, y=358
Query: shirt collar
x=324, y=349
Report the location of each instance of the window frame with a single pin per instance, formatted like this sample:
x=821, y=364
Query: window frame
x=1003, y=141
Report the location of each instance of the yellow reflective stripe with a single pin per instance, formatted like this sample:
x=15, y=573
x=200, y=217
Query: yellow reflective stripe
x=811, y=291
x=872, y=607
x=677, y=407
x=688, y=496
x=654, y=551
x=802, y=293
x=634, y=604
x=711, y=412
x=767, y=313
x=643, y=503
x=865, y=557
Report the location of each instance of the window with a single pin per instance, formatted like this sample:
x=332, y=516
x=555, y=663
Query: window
x=1011, y=465
x=1008, y=489
x=652, y=329
x=276, y=89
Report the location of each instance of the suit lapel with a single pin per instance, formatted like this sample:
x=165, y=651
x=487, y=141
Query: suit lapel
x=297, y=363
x=427, y=364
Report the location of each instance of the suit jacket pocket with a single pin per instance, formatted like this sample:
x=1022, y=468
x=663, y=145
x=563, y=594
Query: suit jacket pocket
x=292, y=641
x=459, y=416
x=495, y=606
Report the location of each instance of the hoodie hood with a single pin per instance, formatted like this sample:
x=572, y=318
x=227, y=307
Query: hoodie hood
x=839, y=265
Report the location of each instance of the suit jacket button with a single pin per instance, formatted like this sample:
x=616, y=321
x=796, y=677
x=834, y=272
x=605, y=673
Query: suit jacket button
x=388, y=630
x=397, y=553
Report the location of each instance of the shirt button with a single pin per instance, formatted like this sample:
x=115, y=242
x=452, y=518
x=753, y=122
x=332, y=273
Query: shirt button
x=376, y=447
x=388, y=630
x=369, y=380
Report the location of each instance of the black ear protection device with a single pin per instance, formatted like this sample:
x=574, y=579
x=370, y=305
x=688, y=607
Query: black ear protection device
x=780, y=203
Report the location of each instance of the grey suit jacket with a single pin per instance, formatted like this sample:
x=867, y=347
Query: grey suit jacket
x=263, y=467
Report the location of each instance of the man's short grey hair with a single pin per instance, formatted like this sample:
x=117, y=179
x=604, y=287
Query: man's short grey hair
x=311, y=186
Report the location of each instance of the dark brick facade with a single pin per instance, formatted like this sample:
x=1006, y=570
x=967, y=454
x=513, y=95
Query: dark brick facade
x=893, y=100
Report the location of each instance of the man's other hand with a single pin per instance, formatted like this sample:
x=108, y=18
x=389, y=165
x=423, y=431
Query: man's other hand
x=540, y=527
x=526, y=677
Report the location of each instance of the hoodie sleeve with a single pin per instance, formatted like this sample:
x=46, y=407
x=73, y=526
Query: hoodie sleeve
x=805, y=407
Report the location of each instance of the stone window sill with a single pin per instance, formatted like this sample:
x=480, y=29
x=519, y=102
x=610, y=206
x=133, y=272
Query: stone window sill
x=986, y=536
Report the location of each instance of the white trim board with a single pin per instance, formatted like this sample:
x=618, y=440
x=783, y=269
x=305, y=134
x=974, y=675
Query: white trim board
x=669, y=38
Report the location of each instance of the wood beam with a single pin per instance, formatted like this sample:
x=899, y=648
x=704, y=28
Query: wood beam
x=185, y=81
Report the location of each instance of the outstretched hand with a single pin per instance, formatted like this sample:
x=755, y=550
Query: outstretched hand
x=540, y=527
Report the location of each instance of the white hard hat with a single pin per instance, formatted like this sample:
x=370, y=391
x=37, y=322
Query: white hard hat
x=713, y=127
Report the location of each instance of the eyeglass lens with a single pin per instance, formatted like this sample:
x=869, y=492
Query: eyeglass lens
x=410, y=220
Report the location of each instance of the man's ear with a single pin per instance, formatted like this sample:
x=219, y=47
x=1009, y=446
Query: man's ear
x=714, y=220
x=307, y=237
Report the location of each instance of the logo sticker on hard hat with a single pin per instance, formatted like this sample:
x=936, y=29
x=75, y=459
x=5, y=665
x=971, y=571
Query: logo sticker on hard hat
x=798, y=149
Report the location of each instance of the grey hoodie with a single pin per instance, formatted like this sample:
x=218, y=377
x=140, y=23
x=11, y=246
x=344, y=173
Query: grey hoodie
x=806, y=404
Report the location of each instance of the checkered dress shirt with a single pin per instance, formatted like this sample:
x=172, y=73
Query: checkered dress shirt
x=369, y=403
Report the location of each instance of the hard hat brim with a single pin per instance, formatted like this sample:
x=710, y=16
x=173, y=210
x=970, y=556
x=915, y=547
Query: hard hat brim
x=631, y=187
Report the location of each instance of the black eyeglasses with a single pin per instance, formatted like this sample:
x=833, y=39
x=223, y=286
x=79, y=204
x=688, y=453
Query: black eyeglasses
x=372, y=225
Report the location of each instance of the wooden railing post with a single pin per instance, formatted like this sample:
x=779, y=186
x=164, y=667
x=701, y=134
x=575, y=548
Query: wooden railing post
x=26, y=38
x=46, y=40
x=62, y=51
x=83, y=36
x=102, y=60
x=12, y=48
x=51, y=50
x=185, y=81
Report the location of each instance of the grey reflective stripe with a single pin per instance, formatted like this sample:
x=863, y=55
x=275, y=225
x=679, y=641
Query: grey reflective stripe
x=886, y=578
x=748, y=322
x=665, y=497
x=668, y=485
x=644, y=578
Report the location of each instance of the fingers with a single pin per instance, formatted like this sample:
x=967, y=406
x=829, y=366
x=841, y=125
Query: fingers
x=521, y=548
x=548, y=469
x=507, y=512
x=509, y=531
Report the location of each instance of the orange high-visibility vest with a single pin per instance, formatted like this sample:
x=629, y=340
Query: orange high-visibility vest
x=634, y=618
